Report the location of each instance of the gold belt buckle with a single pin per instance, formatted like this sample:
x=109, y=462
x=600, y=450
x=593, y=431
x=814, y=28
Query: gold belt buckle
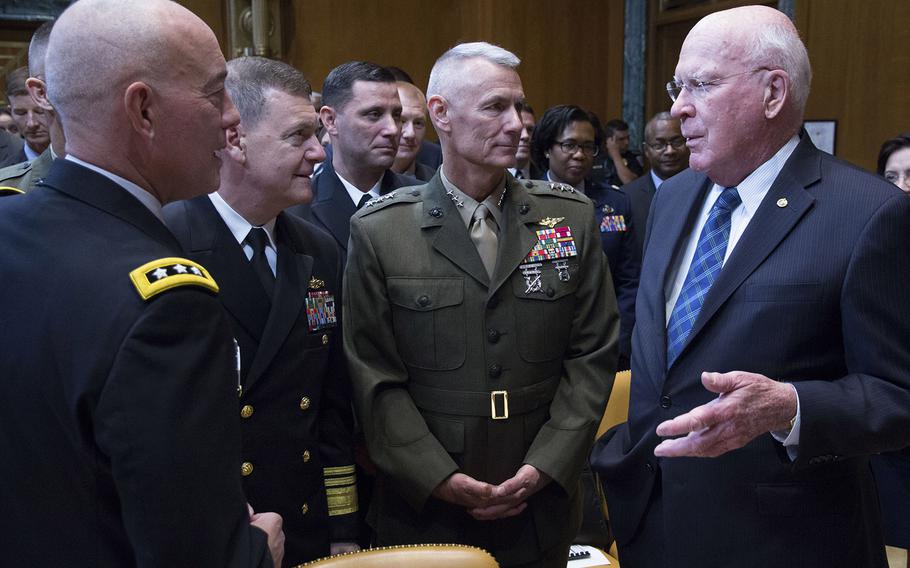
x=505, y=405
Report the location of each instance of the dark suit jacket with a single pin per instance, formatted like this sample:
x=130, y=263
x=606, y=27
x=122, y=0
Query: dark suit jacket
x=814, y=293
x=11, y=151
x=332, y=208
x=640, y=191
x=430, y=154
x=120, y=419
x=282, y=361
x=423, y=172
x=614, y=216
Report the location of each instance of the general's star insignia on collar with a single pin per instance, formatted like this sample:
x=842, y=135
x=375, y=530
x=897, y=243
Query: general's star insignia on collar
x=316, y=283
x=551, y=221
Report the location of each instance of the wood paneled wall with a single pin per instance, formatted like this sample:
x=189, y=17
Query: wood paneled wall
x=571, y=50
x=860, y=54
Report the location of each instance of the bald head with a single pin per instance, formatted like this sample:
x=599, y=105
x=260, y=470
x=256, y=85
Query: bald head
x=760, y=36
x=98, y=47
x=139, y=88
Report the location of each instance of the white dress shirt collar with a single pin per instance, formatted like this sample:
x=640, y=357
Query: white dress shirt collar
x=355, y=194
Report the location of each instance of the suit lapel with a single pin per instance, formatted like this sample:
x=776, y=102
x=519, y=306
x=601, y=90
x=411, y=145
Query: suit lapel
x=768, y=227
x=215, y=247
x=518, y=235
x=665, y=245
x=452, y=240
x=333, y=207
x=293, y=275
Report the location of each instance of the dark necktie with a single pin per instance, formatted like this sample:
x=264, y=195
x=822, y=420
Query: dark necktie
x=258, y=239
x=706, y=265
x=363, y=200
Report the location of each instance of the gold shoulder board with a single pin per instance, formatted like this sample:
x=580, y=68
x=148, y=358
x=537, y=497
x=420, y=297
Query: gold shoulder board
x=157, y=276
x=7, y=190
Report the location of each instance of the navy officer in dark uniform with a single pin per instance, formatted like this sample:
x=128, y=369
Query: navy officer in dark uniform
x=120, y=428
x=280, y=279
x=564, y=144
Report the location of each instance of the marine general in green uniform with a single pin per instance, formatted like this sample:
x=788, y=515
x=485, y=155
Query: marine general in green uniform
x=481, y=326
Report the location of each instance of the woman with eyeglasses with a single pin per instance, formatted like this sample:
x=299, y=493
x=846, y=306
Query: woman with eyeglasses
x=564, y=144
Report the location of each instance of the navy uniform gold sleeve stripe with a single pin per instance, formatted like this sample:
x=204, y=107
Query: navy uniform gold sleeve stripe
x=8, y=190
x=341, y=490
x=157, y=276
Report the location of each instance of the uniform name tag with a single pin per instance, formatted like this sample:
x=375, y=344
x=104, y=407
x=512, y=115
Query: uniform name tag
x=320, y=310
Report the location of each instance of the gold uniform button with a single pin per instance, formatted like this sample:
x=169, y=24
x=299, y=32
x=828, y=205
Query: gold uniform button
x=246, y=411
x=306, y=456
x=304, y=509
x=304, y=403
x=246, y=468
x=325, y=338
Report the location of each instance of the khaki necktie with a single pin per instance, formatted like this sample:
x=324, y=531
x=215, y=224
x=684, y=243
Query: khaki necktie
x=483, y=233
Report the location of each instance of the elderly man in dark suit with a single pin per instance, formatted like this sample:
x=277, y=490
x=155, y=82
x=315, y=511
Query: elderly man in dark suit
x=362, y=113
x=770, y=349
x=121, y=424
x=665, y=148
x=280, y=279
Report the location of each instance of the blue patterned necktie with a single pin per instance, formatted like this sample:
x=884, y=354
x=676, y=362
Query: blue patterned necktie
x=706, y=265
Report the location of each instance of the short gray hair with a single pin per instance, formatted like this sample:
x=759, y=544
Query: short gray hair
x=778, y=46
x=445, y=74
x=37, y=48
x=249, y=78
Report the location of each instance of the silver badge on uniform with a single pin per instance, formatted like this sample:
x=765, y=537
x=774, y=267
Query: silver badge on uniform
x=531, y=273
x=562, y=269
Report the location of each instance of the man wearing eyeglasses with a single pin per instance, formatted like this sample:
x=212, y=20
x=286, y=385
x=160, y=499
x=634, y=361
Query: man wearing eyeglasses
x=666, y=151
x=771, y=328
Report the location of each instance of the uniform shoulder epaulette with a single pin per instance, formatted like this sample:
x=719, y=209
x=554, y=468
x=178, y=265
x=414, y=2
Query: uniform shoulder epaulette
x=14, y=171
x=8, y=190
x=409, y=195
x=157, y=276
x=539, y=187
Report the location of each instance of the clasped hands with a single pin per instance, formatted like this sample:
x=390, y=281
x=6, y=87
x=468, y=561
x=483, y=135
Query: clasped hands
x=747, y=406
x=486, y=502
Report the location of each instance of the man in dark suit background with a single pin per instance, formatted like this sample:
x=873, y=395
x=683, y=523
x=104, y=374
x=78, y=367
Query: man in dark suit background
x=361, y=112
x=667, y=154
x=771, y=328
x=118, y=363
x=280, y=280
x=28, y=115
x=414, y=124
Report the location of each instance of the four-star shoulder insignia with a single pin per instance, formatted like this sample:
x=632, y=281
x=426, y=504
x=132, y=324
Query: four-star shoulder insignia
x=157, y=276
x=554, y=186
x=550, y=221
x=377, y=200
x=7, y=190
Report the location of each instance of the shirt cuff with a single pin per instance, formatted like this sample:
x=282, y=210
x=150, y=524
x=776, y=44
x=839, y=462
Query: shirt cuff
x=790, y=439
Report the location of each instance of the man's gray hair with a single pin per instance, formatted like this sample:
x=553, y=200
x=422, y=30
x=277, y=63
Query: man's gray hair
x=97, y=48
x=37, y=48
x=249, y=78
x=446, y=73
x=778, y=47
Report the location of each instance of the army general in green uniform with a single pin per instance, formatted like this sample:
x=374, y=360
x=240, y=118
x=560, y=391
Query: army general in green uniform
x=481, y=328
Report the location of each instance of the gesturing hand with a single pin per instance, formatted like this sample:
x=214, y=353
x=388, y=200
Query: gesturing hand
x=748, y=406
